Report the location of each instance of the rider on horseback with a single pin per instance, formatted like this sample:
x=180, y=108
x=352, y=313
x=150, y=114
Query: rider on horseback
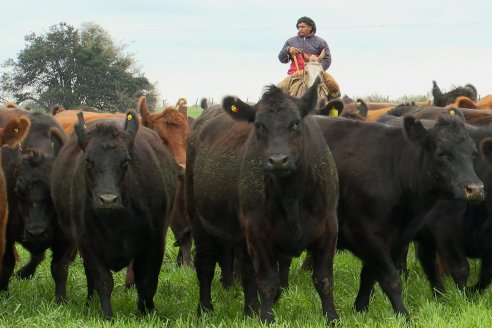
x=311, y=45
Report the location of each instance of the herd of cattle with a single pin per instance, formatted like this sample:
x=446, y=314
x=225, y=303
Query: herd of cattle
x=252, y=185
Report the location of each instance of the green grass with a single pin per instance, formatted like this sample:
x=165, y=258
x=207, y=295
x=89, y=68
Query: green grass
x=30, y=303
x=194, y=111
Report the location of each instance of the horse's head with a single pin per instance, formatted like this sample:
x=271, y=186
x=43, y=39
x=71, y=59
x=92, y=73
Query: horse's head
x=313, y=68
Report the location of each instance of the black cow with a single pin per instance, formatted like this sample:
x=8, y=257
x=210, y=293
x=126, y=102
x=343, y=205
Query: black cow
x=443, y=99
x=355, y=110
x=457, y=229
x=32, y=218
x=273, y=192
x=113, y=187
x=389, y=177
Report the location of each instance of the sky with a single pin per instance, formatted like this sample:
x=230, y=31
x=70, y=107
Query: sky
x=214, y=48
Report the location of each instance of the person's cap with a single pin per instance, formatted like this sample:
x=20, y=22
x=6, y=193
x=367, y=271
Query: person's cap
x=308, y=21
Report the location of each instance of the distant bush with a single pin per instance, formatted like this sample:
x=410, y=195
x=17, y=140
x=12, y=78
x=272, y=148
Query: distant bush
x=376, y=97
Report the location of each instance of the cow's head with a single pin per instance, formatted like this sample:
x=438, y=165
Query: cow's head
x=32, y=190
x=171, y=125
x=278, y=125
x=32, y=174
x=449, y=153
x=45, y=135
x=442, y=99
x=108, y=152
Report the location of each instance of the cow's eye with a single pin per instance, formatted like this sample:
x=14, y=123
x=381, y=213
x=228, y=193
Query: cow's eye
x=19, y=191
x=88, y=164
x=260, y=128
x=295, y=126
x=124, y=164
x=445, y=156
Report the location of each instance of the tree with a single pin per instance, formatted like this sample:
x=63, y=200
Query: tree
x=73, y=67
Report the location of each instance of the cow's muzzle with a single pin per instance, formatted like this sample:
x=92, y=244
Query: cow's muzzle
x=278, y=162
x=36, y=233
x=475, y=192
x=107, y=201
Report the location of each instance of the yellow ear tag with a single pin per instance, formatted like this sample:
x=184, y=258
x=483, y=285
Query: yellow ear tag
x=358, y=103
x=452, y=112
x=333, y=112
x=16, y=130
x=234, y=108
x=129, y=117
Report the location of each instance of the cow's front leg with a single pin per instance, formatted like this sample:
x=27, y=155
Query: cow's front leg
x=248, y=280
x=99, y=278
x=207, y=250
x=146, y=268
x=267, y=276
x=323, y=253
x=27, y=271
x=63, y=255
x=367, y=281
x=8, y=265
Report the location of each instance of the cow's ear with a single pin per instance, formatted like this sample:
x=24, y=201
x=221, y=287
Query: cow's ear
x=131, y=124
x=309, y=100
x=465, y=102
x=238, y=109
x=80, y=131
x=57, y=139
x=15, y=131
x=436, y=91
x=414, y=130
x=362, y=108
x=486, y=149
x=333, y=108
x=144, y=112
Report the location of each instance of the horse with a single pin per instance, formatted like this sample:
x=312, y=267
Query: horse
x=298, y=83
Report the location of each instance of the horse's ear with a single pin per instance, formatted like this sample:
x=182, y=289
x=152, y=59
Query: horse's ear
x=322, y=55
x=306, y=58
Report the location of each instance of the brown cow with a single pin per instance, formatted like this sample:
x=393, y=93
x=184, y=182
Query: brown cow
x=375, y=114
x=173, y=127
x=13, y=133
x=68, y=118
x=465, y=102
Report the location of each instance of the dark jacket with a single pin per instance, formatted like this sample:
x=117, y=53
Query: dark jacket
x=311, y=45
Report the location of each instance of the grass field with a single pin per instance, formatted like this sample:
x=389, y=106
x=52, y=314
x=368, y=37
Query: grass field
x=30, y=303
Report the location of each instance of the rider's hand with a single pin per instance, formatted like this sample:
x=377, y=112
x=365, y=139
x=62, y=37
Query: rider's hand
x=294, y=51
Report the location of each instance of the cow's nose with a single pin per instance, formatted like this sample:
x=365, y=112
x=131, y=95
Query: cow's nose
x=36, y=232
x=108, y=198
x=475, y=192
x=278, y=161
